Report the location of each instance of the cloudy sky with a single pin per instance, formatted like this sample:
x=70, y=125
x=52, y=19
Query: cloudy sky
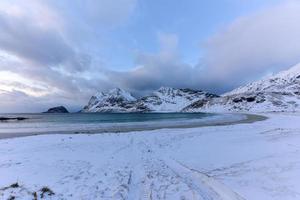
x=55, y=52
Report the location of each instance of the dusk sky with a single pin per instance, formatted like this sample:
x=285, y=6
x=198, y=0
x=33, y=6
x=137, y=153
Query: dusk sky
x=59, y=52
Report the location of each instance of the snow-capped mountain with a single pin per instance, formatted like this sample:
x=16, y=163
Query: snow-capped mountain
x=280, y=92
x=165, y=99
x=283, y=82
x=115, y=100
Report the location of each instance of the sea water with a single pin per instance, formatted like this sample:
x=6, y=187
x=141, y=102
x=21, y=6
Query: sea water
x=107, y=122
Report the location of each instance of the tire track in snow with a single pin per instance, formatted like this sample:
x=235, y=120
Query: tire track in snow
x=207, y=187
x=140, y=187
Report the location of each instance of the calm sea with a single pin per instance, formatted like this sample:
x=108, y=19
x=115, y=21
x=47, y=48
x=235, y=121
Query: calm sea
x=107, y=122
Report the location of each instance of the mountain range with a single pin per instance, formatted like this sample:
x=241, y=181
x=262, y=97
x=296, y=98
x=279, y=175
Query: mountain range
x=165, y=99
x=277, y=93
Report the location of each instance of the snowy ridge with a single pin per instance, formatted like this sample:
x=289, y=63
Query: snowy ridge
x=278, y=93
x=165, y=99
x=285, y=81
x=168, y=99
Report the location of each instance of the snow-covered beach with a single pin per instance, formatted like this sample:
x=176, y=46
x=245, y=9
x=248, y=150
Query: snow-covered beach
x=243, y=161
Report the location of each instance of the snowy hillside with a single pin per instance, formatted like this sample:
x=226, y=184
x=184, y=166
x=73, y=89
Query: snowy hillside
x=280, y=92
x=284, y=82
x=168, y=99
x=115, y=100
x=165, y=99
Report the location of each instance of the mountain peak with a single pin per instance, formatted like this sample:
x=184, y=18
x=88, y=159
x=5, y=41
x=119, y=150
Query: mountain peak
x=115, y=93
x=292, y=72
x=111, y=101
x=164, y=89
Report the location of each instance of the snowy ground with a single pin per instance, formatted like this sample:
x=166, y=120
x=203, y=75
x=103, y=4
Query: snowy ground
x=246, y=161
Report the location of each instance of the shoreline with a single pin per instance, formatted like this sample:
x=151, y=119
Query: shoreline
x=250, y=118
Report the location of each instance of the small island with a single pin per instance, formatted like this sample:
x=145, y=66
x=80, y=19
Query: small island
x=58, y=109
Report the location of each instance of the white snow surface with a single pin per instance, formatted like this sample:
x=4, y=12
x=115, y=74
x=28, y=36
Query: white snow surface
x=258, y=161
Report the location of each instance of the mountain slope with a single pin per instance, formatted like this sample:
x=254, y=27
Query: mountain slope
x=165, y=99
x=115, y=100
x=284, y=82
x=280, y=92
x=168, y=99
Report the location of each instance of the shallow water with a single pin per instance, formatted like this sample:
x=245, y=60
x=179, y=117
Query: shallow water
x=108, y=122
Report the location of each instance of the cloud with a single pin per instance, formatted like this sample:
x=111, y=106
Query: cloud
x=17, y=101
x=20, y=102
x=106, y=13
x=152, y=71
x=251, y=46
x=245, y=50
x=43, y=45
x=32, y=43
x=41, y=41
x=51, y=44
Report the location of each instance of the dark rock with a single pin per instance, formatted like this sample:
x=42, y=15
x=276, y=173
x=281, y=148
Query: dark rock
x=197, y=104
x=209, y=95
x=59, y=109
x=250, y=99
x=12, y=118
x=237, y=100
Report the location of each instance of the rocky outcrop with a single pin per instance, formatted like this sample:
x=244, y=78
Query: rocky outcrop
x=58, y=109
